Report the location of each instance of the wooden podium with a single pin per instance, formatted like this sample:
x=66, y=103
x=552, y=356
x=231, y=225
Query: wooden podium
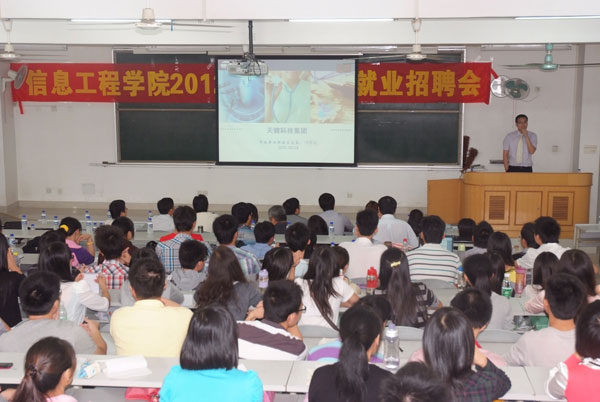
x=508, y=200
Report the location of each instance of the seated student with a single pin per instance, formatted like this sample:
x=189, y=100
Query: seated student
x=576, y=379
x=546, y=235
x=545, y=265
x=372, y=205
x=547, y=347
x=243, y=215
x=226, y=283
x=352, y=378
x=391, y=228
x=342, y=261
x=330, y=351
x=500, y=243
x=449, y=349
x=40, y=299
x=278, y=218
x=49, y=369
x=579, y=264
x=264, y=233
x=151, y=327
x=477, y=307
x=527, y=240
x=253, y=211
x=171, y=292
x=111, y=244
x=432, y=261
x=10, y=280
x=279, y=263
x=324, y=292
x=276, y=337
x=481, y=235
x=128, y=228
x=208, y=363
x=73, y=236
x=168, y=250
x=204, y=219
x=76, y=294
x=415, y=221
x=363, y=253
x=298, y=239
x=414, y=382
x=192, y=255
x=117, y=208
x=479, y=274
x=164, y=221
x=292, y=211
x=316, y=226
x=409, y=300
x=340, y=222
x=225, y=228
x=466, y=226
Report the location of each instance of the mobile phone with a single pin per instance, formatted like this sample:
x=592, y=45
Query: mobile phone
x=5, y=365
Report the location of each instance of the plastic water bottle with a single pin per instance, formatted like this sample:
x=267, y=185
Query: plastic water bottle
x=391, y=352
x=12, y=242
x=331, y=229
x=521, y=274
x=506, y=288
x=460, y=278
x=23, y=222
x=252, y=225
x=43, y=216
x=88, y=226
x=62, y=313
x=94, y=227
x=87, y=215
x=32, y=227
x=108, y=215
x=371, y=280
x=150, y=225
x=55, y=223
x=263, y=280
x=405, y=246
x=149, y=213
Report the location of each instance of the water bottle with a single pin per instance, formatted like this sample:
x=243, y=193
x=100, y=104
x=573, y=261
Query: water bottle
x=405, y=244
x=460, y=278
x=331, y=229
x=149, y=213
x=87, y=215
x=23, y=222
x=371, y=280
x=62, y=312
x=252, y=225
x=263, y=280
x=108, y=215
x=32, y=227
x=391, y=353
x=94, y=227
x=43, y=216
x=521, y=273
x=88, y=226
x=150, y=225
x=506, y=288
x=18, y=258
x=55, y=223
x=12, y=242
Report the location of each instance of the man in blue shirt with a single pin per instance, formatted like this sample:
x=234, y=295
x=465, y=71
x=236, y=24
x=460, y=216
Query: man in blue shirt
x=264, y=232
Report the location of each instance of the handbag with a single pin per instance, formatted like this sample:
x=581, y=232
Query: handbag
x=147, y=394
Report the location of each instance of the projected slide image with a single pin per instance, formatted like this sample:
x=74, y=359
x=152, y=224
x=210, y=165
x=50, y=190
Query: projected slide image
x=241, y=99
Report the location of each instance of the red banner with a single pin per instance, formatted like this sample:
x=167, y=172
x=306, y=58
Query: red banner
x=424, y=83
x=143, y=83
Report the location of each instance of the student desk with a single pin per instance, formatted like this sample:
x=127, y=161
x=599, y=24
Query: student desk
x=538, y=377
x=517, y=303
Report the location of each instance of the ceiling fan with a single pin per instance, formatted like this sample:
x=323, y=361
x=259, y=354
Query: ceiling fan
x=416, y=54
x=549, y=64
x=148, y=22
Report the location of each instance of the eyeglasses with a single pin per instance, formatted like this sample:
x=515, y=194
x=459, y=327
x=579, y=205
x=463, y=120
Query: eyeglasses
x=302, y=310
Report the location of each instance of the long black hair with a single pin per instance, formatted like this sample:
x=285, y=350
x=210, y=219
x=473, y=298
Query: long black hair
x=400, y=290
x=359, y=328
x=544, y=266
x=479, y=272
x=45, y=362
x=501, y=244
x=223, y=269
x=56, y=257
x=320, y=273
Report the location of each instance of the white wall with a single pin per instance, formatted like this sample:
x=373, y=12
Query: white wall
x=8, y=158
x=58, y=144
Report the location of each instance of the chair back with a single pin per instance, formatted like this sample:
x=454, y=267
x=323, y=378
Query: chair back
x=498, y=335
x=317, y=331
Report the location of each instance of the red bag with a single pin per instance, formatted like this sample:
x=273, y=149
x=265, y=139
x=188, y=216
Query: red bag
x=147, y=394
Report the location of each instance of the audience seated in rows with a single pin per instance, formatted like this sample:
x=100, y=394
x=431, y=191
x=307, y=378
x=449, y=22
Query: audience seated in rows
x=111, y=244
x=466, y=228
x=264, y=234
x=279, y=263
x=340, y=222
x=278, y=218
x=527, y=240
x=363, y=253
x=481, y=235
x=192, y=255
x=243, y=215
x=546, y=235
x=116, y=208
x=226, y=231
x=184, y=218
x=204, y=219
x=415, y=221
x=391, y=228
x=40, y=300
x=299, y=239
x=73, y=236
x=164, y=221
x=544, y=265
x=292, y=211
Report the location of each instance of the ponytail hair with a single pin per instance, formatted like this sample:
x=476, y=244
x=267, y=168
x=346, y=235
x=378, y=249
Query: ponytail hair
x=320, y=273
x=400, y=290
x=45, y=362
x=359, y=327
x=69, y=225
x=478, y=270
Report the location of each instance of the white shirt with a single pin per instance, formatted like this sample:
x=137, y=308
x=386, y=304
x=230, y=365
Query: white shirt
x=363, y=255
x=528, y=259
x=502, y=315
x=163, y=223
x=77, y=296
x=544, y=348
x=341, y=223
x=395, y=230
x=204, y=219
x=312, y=316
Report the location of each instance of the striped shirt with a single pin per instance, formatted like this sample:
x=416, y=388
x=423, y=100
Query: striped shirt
x=168, y=251
x=432, y=261
x=268, y=340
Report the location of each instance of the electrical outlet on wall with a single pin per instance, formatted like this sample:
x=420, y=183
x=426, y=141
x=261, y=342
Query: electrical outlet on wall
x=349, y=195
x=48, y=190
